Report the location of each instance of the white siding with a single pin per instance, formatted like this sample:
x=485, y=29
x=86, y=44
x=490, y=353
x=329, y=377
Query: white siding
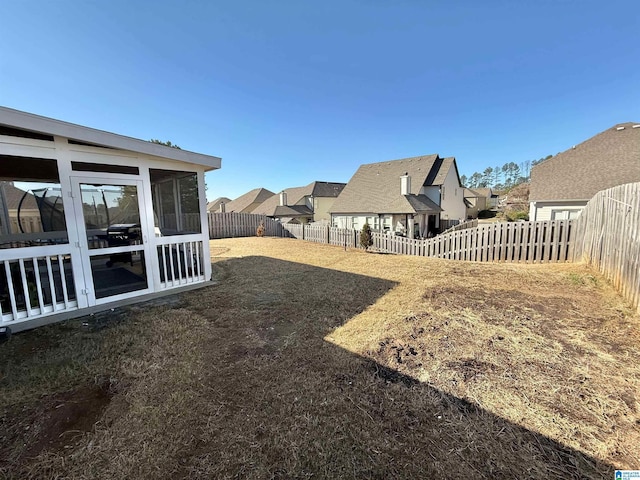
x=543, y=211
x=321, y=207
x=357, y=221
x=452, y=194
x=432, y=192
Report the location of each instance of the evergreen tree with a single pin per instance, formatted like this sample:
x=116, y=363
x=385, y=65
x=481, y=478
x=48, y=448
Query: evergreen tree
x=366, y=240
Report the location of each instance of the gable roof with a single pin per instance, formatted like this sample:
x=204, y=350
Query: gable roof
x=296, y=194
x=14, y=195
x=471, y=193
x=327, y=189
x=375, y=187
x=257, y=195
x=38, y=124
x=484, y=192
x=214, y=205
x=608, y=159
x=292, y=211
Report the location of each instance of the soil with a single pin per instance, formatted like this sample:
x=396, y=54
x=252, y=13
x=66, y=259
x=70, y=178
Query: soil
x=58, y=422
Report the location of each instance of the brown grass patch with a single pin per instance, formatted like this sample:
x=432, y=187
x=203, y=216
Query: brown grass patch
x=306, y=361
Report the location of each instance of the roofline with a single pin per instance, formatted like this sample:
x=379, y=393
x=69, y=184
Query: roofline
x=455, y=164
x=37, y=123
x=559, y=200
x=369, y=214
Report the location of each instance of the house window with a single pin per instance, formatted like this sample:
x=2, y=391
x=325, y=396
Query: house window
x=31, y=209
x=569, y=214
x=176, y=203
x=373, y=222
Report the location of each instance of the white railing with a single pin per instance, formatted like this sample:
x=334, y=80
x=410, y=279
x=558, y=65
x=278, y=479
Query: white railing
x=35, y=282
x=181, y=261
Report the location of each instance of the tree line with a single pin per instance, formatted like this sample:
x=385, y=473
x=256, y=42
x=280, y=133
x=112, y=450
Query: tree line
x=502, y=177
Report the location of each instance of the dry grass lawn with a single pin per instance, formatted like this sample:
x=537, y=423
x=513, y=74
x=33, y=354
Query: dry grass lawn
x=306, y=361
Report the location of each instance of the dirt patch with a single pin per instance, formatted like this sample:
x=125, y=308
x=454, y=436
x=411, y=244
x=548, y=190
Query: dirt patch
x=63, y=419
x=471, y=368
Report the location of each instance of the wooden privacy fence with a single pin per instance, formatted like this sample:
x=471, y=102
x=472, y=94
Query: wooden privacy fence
x=530, y=242
x=346, y=237
x=539, y=242
x=463, y=226
x=232, y=224
x=608, y=237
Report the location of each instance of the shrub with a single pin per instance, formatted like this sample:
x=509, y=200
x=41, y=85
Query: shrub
x=515, y=215
x=366, y=240
x=260, y=230
x=486, y=214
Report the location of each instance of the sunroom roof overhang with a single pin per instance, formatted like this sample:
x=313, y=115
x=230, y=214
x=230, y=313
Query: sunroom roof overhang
x=50, y=126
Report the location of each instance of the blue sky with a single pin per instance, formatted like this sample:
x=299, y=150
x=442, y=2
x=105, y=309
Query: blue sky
x=288, y=92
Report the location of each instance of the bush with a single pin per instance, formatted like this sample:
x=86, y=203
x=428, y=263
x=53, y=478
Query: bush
x=366, y=240
x=515, y=215
x=486, y=214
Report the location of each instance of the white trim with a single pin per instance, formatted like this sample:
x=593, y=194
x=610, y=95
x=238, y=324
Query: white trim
x=37, y=123
x=86, y=253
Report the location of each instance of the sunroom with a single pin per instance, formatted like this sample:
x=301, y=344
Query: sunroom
x=91, y=219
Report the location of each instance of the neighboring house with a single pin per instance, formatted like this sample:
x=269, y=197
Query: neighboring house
x=562, y=185
x=215, y=205
x=491, y=198
x=310, y=203
x=121, y=219
x=21, y=214
x=409, y=196
x=479, y=199
x=249, y=201
x=475, y=202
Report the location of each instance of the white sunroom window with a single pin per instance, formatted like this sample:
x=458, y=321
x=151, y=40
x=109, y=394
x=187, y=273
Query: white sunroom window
x=176, y=202
x=32, y=215
x=31, y=208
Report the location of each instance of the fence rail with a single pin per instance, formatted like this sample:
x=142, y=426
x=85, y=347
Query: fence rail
x=608, y=230
x=461, y=226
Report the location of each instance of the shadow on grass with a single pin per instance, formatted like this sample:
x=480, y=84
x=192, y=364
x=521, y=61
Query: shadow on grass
x=263, y=395
x=323, y=410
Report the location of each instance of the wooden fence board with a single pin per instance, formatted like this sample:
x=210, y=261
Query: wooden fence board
x=529, y=242
x=608, y=233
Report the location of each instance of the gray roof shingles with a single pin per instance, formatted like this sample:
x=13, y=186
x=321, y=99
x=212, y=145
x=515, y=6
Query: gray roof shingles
x=214, y=205
x=375, y=187
x=257, y=195
x=608, y=159
x=296, y=194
